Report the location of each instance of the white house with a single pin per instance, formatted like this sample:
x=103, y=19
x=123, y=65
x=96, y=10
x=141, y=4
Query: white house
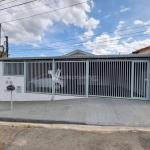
x=75, y=75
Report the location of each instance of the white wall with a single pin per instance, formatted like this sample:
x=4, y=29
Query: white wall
x=19, y=81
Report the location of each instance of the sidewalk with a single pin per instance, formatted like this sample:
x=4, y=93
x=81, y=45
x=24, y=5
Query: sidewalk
x=91, y=111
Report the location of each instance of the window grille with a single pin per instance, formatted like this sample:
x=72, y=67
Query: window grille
x=14, y=68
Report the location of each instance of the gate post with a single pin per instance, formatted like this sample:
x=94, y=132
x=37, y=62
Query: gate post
x=53, y=80
x=148, y=80
x=87, y=78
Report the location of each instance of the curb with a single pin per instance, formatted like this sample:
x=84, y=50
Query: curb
x=78, y=126
x=21, y=120
x=84, y=128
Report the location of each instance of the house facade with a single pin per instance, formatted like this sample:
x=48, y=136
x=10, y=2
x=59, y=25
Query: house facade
x=76, y=76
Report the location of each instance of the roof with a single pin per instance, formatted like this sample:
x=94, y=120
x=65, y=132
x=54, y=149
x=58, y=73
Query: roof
x=131, y=56
x=137, y=51
x=78, y=51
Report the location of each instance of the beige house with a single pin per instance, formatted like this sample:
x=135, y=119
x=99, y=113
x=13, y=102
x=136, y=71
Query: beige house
x=145, y=50
x=78, y=53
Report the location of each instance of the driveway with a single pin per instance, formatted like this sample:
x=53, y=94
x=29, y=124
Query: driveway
x=96, y=111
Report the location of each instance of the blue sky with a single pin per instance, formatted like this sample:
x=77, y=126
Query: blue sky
x=88, y=25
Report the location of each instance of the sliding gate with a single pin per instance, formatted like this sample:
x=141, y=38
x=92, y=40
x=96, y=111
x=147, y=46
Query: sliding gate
x=104, y=78
x=40, y=76
x=118, y=78
x=73, y=76
x=110, y=78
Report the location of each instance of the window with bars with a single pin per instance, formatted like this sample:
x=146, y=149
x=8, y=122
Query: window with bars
x=14, y=69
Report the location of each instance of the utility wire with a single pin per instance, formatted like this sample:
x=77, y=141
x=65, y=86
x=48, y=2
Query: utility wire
x=101, y=41
x=74, y=38
x=41, y=51
x=2, y=0
x=18, y=5
x=44, y=12
x=113, y=46
x=28, y=9
x=111, y=32
x=9, y=2
x=62, y=47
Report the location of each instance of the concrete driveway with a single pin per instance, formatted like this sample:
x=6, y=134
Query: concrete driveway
x=96, y=111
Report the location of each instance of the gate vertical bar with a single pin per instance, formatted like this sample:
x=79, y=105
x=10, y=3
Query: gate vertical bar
x=143, y=64
x=53, y=80
x=35, y=73
x=148, y=81
x=25, y=76
x=72, y=78
x=87, y=78
x=39, y=74
x=132, y=78
x=46, y=75
x=42, y=65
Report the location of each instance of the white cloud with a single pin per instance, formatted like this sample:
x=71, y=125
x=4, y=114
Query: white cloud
x=42, y=55
x=125, y=9
x=139, y=22
x=107, y=16
x=129, y=39
x=120, y=25
x=88, y=34
x=147, y=31
x=35, y=45
x=105, y=44
x=33, y=29
x=92, y=3
x=99, y=10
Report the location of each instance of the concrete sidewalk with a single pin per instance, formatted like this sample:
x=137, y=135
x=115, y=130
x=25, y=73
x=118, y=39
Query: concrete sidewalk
x=95, y=111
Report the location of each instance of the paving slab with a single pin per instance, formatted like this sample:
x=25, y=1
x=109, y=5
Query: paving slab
x=93, y=111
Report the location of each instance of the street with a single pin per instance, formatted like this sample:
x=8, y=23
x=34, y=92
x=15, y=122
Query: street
x=39, y=138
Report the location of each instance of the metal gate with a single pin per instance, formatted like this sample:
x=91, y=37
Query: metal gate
x=140, y=79
x=105, y=78
x=39, y=77
x=110, y=78
x=73, y=76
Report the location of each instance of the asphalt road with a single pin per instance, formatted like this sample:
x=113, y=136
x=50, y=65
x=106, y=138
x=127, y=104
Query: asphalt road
x=96, y=111
x=31, y=138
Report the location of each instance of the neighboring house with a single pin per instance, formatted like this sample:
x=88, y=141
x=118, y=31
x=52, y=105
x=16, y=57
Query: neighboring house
x=145, y=50
x=78, y=53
